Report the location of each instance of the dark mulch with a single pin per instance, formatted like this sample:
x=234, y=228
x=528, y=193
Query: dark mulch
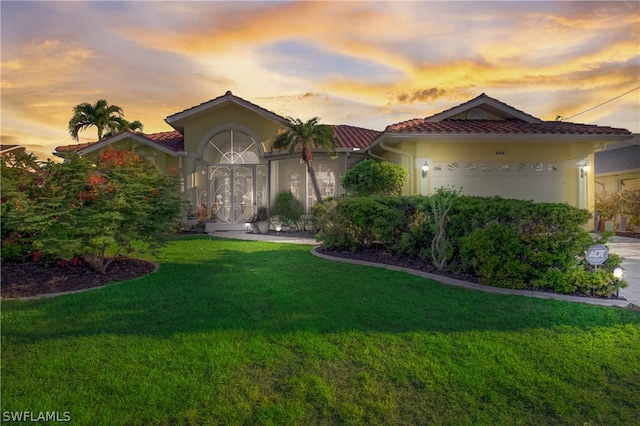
x=35, y=278
x=382, y=255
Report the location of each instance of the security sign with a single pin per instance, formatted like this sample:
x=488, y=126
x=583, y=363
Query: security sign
x=597, y=254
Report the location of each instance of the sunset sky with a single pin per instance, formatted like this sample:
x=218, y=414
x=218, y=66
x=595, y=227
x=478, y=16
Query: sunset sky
x=363, y=63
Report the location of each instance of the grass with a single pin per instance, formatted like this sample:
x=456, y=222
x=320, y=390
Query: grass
x=239, y=332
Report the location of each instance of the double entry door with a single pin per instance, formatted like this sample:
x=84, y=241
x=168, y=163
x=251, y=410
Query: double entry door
x=235, y=192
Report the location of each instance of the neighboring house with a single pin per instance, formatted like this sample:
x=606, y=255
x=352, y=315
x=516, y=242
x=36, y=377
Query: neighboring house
x=14, y=149
x=617, y=168
x=222, y=149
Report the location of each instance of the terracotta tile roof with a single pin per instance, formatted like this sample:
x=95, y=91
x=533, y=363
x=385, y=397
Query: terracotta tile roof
x=75, y=147
x=510, y=126
x=354, y=137
x=172, y=140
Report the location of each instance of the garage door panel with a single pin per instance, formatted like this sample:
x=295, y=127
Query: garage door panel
x=535, y=181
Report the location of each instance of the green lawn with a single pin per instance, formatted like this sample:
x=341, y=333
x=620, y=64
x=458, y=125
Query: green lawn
x=240, y=332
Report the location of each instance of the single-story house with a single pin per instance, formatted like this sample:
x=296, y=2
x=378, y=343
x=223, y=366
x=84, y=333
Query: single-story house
x=222, y=150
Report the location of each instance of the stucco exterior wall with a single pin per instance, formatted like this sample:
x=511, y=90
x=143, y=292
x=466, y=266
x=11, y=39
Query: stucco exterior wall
x=230, y=116
x=567, y=157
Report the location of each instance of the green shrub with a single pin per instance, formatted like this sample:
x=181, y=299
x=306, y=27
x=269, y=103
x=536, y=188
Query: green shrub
x=288, y=209
x=333, y=229
x=370, y=177
x=79, y=209
x=506, y=243
x=13, y=249
x=497, y=256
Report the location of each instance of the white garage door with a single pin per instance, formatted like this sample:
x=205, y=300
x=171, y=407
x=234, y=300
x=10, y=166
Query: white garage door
x=528, y=181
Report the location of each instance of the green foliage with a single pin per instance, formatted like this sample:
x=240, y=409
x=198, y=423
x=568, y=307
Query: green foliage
x=504, y=242
x=496, y=255
x=370, y=177
x=101, y=115
x=76, y=208
x=363, y=221
x=288, y=209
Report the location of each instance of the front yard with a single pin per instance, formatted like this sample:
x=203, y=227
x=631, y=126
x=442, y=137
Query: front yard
x=239, y=332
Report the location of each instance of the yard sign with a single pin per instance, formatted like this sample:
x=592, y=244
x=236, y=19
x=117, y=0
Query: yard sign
x=597, y=254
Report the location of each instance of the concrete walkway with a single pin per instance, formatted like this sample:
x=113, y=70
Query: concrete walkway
x=628, y=248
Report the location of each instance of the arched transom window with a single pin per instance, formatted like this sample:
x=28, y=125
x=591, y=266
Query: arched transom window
x=231, y=147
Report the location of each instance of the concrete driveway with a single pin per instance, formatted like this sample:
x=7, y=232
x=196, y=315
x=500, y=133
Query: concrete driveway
x=629, y=249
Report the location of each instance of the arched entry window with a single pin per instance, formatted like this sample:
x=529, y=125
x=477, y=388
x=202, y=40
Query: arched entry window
x=230, y=180
x=231, y=147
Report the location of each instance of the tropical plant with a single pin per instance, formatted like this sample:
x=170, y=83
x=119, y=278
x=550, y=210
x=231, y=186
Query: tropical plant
x=609, y=204
x=134, y=126
x=105, y=117
x=307, y=135
x=262, y=215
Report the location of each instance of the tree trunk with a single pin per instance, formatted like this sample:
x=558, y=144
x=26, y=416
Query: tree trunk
x=314, y=182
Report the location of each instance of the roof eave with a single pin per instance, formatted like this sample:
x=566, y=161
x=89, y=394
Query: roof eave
x=125, y=135
x=177, y=120
x=480, y=100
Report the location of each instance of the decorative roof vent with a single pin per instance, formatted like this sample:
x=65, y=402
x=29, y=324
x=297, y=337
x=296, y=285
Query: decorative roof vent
x=477, y=114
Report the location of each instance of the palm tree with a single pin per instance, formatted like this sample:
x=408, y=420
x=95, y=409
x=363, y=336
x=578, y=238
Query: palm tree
x=307, y=135
x=103, y=116
x=135, y=126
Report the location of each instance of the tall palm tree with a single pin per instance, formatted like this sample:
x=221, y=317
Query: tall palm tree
x=135, y=126
x=103, y=116
x=307, y=135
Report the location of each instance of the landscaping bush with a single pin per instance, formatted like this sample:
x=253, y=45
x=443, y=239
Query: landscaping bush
x=497, y=256
x=333, y=229
x=288, y=209
x=370, y=177
x=504, y=242
x=363, y=221
x=81, y=209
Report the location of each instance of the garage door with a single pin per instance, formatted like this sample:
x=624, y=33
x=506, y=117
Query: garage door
x=528, y=181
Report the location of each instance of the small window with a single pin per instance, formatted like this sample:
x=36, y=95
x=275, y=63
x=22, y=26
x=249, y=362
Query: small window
x=452, y=166
x=471, y=166
x=505, y=168
x=437, y=168
x=476, y=114
x=521, y=167
x=485, y=168
x=551, y=168
x=538, y=167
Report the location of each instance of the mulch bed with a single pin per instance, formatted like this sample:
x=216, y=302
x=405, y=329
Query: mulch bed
x=381, y=255
x=35, y=278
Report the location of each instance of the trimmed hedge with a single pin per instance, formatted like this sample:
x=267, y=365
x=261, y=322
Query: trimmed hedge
x=504, y=242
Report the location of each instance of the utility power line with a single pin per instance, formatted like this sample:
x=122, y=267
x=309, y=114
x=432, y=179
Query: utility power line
x=561, y=118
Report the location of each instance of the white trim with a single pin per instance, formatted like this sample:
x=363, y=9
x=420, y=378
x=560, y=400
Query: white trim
x=173, y=120
x=483, y=101
x=229, y=126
